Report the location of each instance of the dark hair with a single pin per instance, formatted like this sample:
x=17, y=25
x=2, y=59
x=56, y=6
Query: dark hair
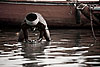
x=31, y=17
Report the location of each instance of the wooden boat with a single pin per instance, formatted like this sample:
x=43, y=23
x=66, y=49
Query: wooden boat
x=12, y=13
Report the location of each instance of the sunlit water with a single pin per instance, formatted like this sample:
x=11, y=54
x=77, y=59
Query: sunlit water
x=68, y=48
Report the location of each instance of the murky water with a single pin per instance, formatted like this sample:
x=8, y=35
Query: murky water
x=68, y=48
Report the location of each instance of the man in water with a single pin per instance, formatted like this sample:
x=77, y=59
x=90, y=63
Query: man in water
x=37, y=21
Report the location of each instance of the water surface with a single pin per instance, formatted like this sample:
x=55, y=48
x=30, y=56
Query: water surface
x=68, y=48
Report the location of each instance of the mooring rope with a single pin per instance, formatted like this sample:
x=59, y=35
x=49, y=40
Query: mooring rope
x=91, y=20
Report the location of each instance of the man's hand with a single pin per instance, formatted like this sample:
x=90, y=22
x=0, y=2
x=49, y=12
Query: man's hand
x=39, y=40
x=28, y=41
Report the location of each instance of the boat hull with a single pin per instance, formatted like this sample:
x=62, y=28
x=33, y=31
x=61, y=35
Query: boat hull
x=55, y=15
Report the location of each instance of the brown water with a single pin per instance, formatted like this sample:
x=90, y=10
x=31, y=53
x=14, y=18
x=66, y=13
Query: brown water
x=69, y=48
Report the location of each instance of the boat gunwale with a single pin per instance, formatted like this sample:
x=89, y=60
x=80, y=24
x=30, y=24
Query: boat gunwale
x=47, y=3
x=35, y=3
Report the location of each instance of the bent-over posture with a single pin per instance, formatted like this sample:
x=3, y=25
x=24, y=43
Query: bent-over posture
x=34, y=20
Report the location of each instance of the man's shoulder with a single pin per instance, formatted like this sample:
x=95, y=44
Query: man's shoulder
x=37, y=13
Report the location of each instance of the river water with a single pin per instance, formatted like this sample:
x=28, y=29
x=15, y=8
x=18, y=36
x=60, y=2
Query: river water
x=68, y=48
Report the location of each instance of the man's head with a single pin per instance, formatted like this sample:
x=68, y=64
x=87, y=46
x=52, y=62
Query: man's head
x=32, y=19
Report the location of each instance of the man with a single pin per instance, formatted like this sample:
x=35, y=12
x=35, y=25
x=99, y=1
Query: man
x=37, y=21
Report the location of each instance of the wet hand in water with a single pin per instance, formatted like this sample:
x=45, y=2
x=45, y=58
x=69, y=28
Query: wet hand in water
x=33, y=41
x=39, y=40
x=29, y=41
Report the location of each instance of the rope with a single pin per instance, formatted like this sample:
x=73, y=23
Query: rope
x=91, y=19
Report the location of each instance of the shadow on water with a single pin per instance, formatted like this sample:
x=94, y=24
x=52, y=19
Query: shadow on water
x=69, y=48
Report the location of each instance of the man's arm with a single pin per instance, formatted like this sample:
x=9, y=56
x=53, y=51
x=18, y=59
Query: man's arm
x=47, y=35
x=41, y=28
x=43, y=32
x=24, y=32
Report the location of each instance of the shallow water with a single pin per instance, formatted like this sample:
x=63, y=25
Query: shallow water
x=68, y=48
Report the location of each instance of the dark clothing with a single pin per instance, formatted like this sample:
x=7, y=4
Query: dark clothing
x=24, y=31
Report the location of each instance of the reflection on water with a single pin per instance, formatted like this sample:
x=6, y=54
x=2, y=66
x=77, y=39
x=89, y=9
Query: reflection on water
x=69, y=48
